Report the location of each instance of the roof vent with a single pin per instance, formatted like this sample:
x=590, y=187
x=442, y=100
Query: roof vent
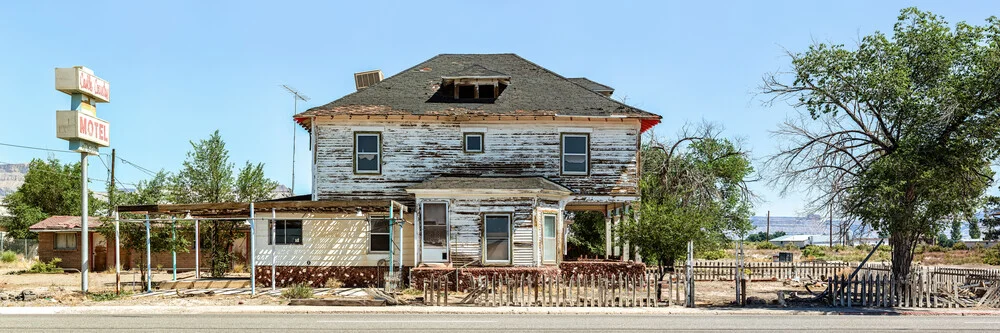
x=364, y=80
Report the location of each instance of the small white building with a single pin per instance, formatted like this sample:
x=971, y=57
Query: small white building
x=797, y=240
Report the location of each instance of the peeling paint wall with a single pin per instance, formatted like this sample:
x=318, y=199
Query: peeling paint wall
x=329, y=242
x=415, y=150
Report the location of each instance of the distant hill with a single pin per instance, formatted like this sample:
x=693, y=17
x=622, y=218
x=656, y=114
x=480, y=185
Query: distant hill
x=11, y=177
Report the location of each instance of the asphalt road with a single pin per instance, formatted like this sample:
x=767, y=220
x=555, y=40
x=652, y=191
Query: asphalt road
x=477, y=323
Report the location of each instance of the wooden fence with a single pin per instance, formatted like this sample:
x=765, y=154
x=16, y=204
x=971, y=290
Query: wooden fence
x=558, y=291
x=928, y=287
x=726, y=270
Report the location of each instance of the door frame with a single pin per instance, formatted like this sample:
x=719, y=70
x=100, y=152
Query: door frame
x=447, y=227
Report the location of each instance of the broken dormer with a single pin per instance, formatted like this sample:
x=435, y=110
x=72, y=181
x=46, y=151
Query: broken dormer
x=474, y=84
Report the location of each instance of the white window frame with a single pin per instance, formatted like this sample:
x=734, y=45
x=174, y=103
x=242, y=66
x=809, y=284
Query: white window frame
x=55, y=241
x=372, y=233
x=465, y=142
x=585, y=154
x=554, y=239
x=510, y=240
x=358, y=153
x=447, y=228
x=273, y=241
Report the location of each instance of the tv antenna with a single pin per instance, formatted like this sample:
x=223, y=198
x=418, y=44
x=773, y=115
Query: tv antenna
x=296, y=97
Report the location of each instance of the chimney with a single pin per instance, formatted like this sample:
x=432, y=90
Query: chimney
x=367, y=79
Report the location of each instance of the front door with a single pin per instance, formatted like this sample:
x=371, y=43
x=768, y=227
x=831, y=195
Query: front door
x=435, y=232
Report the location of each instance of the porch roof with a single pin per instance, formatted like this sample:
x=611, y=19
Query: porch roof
x=243, y=208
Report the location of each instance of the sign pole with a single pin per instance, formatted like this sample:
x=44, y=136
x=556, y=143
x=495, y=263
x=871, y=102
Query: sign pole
x=84, y=232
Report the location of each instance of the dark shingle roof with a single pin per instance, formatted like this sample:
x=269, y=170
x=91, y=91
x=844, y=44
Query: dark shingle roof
x=533, y=91
x=589, y=84
x=490, y=183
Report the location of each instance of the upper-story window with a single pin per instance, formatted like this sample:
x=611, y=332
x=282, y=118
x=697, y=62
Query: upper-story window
x=575, y=154
x=367, y=153
x=473, y=142
x=473, y=84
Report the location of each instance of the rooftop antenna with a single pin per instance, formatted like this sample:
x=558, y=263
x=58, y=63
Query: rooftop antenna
x=296, y=97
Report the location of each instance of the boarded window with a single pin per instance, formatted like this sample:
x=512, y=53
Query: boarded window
x=575, y=154
x=367, y=154
x=473, y=142
x=65, y=241
x=549, y=238
x=286, y=232
x=497, y=238
x=379, y=234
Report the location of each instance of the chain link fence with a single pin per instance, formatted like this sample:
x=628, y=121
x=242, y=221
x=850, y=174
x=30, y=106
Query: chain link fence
x=26, y=248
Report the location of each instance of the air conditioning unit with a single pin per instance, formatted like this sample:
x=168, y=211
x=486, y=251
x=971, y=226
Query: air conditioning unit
x=367, y=79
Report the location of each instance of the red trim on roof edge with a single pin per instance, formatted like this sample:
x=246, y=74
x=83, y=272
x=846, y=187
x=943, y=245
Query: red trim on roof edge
x=646, y=124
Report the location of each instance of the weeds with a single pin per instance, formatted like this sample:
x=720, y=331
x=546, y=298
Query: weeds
x=107, y=296
x=297, y=291
x=333, y=283
x=8, y=257
x=43, y=267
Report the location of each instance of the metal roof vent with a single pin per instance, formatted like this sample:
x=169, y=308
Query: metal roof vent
x=367, y=79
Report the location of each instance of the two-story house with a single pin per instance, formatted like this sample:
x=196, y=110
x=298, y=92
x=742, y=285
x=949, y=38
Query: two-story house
x=487, y=150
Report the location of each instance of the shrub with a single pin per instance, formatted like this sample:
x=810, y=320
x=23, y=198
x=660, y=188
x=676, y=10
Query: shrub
x=333, y=283
x=714, y=255
x=765, y=245
x=979, y=247
x=838, y=248
x=991, y=256
x=813, y=251
x=935, y=248
x=50, y=267
x=791, y=247
x=297, y=291
x=863, y=247
x=8, y=256
x=959, y=246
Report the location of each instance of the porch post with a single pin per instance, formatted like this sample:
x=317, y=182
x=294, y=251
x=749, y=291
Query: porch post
x=402, y=225
x=607, y=234
x=623, y=221
x=118, y=256
x=274, y=248
x=173, y=250
x=149, y=258
x=253, y=254
x=391, y=220
x=197, y=250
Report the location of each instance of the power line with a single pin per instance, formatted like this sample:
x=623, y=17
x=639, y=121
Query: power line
x=36, y=148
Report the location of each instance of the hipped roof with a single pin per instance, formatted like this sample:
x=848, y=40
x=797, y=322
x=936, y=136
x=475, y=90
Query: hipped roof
x=64, y=223
x=533, y=91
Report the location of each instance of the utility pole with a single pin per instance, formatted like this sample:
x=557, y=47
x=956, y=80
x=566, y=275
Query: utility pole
x=767, y=232
x=296, y=96
x=111, y=193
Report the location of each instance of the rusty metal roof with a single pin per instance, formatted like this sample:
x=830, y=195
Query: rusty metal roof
x=67, y=223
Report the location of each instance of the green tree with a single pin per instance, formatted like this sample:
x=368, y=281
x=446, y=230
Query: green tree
x=906, y=125
x=762, y=236
x=956, y=230
x=207, y=177
x=974, y=232
x=251, y=185
x=693, y=189
x=50, y=188
x=586, y=235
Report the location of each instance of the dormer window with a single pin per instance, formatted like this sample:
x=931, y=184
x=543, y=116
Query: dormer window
x=475, y=84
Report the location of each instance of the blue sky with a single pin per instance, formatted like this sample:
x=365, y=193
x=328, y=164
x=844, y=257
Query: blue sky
x=182, y=69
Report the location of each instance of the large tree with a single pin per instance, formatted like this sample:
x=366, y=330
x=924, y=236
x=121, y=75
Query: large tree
x=692, y=189
x=207, y=177
x=904, y=125
x=50, y=188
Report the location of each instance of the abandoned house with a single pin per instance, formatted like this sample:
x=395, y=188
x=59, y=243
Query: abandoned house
x=463, y=160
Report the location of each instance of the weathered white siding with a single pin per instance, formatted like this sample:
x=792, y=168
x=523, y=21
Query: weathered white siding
x=415, y=150
x=466, y=217
x=328, y=243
